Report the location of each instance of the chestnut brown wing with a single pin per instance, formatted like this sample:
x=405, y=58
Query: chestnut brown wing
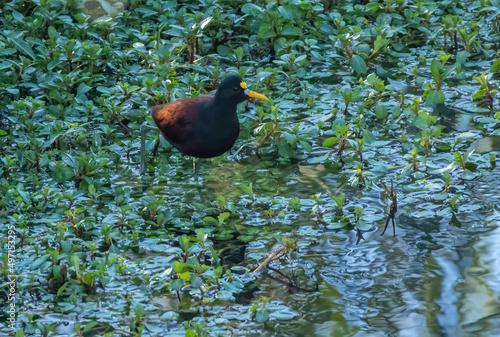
x=178, y=120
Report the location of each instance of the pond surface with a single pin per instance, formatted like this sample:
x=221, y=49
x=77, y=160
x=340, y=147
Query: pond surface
x=431, y=279
x=376, y=111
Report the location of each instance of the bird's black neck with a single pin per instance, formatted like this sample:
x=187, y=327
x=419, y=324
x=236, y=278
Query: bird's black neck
x=223, y=108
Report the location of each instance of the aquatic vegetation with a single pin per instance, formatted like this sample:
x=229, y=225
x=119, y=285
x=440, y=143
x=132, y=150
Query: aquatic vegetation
x=360, y=95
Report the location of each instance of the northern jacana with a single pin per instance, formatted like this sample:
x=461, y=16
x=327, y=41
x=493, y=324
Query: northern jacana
x=202, y=127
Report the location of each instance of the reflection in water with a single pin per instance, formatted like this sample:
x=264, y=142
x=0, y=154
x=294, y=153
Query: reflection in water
x=488, y=144
x=432, y=279
x=387, y=285
x=480, y=299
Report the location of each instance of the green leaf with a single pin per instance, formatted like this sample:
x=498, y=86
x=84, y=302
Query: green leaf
x=381, y=111
x=434, y=97
x=169, y=316
x=82, y=89
x=5, y=65
x=496, y=66
x=279, y=44
x=251, y=9
x=61, y=289
x=196, y=281
x=454, y=221
x=462, y=56
x=224, y=295
x=182, y=267
x=300, y=58
x=13, y=91
x=468, y=175
x=336, y=225
x=363, y=226
x=185, y=276
x=290, y=138
x=210, y=218
x=23, y=47
x=177, y=284
x=62, y=173
x=419, y=122
x=230, y=287
x=436, y=67
x=306, y=146
x=292, y=31
x=75, y=262
x=223, y=50
x=184, y=242
x=359, y=64
x=447, y=71
x=262, y=316
x=396, y=111
x=363, y=49
x=223, y=217
x=248, y=189
x=381, y=43
x=89, y=326
x=66, y=246
x=39, y=261
x=17, y=16
x=330, y=141
x=285, y=150
x=368, y=136
x=479, y=94
x=245, y=238
x=286, y=12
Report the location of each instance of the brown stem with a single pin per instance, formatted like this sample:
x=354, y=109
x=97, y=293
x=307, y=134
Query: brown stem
x=37, y=158
x=273, y=256
x=342, y=144
x=191, y=51
x=266, y=137
x=115, y=115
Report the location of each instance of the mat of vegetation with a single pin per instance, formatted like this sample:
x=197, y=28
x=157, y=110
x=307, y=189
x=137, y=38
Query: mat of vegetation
x=379, y=113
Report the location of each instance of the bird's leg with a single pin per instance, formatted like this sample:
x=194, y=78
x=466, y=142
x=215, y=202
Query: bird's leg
x=144, y=129
x=196, y=167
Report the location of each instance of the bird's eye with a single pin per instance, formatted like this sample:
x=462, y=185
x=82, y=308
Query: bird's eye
x=236, y=88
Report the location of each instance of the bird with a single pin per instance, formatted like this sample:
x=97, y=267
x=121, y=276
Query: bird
x=202, y=127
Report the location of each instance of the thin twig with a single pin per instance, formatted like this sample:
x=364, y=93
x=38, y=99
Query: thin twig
x=392, y=210
x=281, y=251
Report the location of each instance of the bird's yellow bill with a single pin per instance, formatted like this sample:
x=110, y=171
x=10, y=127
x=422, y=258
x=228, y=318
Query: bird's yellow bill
x=255, y=95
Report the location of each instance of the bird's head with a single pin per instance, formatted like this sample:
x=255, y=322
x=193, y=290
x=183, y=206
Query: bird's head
x=234, y=89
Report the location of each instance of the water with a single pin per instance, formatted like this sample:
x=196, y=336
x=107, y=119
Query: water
x=432, y=279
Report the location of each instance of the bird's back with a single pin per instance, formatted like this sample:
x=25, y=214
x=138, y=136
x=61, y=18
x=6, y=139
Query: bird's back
x=193, y=127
